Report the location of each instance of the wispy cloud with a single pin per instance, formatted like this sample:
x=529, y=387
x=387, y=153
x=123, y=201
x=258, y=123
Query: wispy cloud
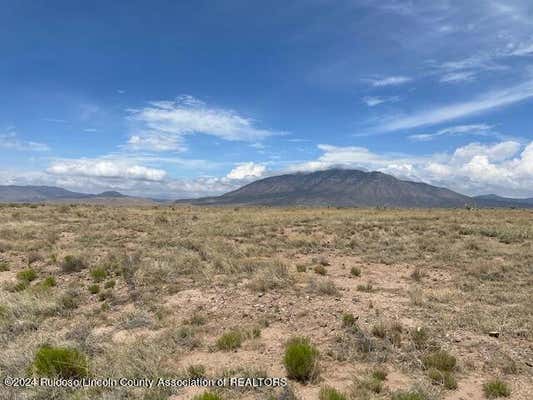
x=164, y=124
x=372, y=101
x=388, y=80
x=11, y=141
x=472, y=129
x=488, y=101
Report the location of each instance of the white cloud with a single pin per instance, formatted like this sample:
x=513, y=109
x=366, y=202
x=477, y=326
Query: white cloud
x=388, y=81
x=156, y=142
x=165, y=123
x=246, y=171
x=504, y=168
x=472, y=129
x=462, y=76
x=110, y=169
x=11, y=141
x=485, y=102
x=372, y=101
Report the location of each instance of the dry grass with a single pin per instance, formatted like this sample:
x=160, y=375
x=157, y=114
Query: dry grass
x=184, y=291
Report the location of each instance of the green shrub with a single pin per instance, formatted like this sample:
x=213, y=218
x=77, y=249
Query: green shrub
x=367, y=287
x=230, y=340
x=19, y=286
x=207, y=396
x=49, y=282
x=27, y=275
x=196, y=371
x=379, y=374
x=4, y=266
x=329, y=393
x=348, y=320
x=69, y=300
x=496, y=388
x=301, y=359
x=419, y=337
x=197, y=319
x=301, y=268
x=379, y=330
x=414, y=394
x=72, y=264
x=440, y=360
x=110, y=284
x=98, y=274
x=94, y=289
x=105, y=295
x=64, y=362
x=444, y=378
x=320, y=270
x=355, y=271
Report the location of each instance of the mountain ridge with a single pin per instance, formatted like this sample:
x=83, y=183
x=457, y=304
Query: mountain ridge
x=346, y=188
x=332, y=187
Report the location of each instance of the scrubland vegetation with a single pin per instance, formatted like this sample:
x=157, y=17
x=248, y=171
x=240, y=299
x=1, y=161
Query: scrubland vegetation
x=349, y=304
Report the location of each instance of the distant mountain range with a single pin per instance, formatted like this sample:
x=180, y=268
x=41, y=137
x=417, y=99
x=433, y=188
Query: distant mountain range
x=37, y=194
x=350, y=188
x=334, y=187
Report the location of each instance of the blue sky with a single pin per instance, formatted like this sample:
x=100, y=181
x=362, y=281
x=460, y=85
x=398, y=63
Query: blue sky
x=182, y=99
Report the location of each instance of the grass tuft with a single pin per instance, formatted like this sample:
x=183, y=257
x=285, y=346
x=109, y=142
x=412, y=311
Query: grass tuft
x=301, y=359
x=64, y=362
x=496, y=388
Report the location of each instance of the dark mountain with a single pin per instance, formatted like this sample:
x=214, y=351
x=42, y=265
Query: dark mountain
x=38, y=194
x=493, y=200
x=13, y=193
x=338, y=187
x=111, y=193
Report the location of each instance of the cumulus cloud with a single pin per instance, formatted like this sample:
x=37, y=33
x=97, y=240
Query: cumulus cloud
x=505, y=168
x=165, y=123
x=246, y=171
x=11, y=141
x=105, y=169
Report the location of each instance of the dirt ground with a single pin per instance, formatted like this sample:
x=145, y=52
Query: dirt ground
x=154, y=289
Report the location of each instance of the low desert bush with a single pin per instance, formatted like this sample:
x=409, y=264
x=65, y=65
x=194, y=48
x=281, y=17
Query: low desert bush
x=301, y=359
x=230, y=340
x=49, y=282
x=72, y=264
x=349, y=320
x=64, y=362
x=329, y=393
x=413, y=394
x=440, y=360
x=419, y=336
x=367, y=287
x=94, y=288
x=355, y=271
x=496, y=388
x=196, y=371
x=208, y=396
x=443, y=378
x=4, y=266
x=27, y=275
x=320, y=270
x=98, y=274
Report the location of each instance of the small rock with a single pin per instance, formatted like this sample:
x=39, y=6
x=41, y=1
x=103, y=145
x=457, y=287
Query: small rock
x=494, y=334
x=260, y=294
x=529, y=363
